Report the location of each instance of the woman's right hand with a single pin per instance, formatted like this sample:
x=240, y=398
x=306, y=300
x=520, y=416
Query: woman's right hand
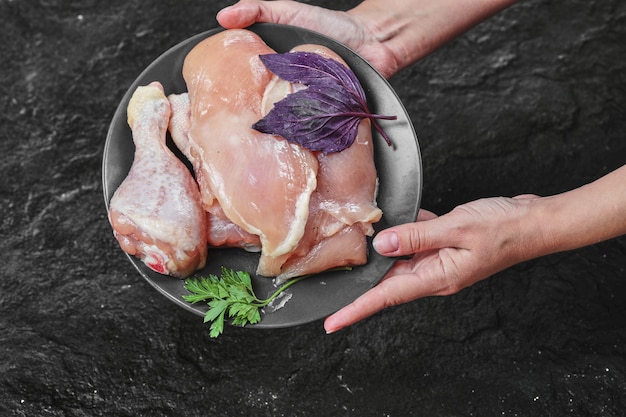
x=447, y=253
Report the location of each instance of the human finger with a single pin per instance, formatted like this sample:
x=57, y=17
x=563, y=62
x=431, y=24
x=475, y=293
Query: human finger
x=399, y=286
x=407, y=239
x=246, y=12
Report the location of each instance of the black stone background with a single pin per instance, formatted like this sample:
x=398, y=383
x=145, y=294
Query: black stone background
x=533, y=100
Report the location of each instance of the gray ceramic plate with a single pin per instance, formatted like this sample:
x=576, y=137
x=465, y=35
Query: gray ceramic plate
x=399, y=169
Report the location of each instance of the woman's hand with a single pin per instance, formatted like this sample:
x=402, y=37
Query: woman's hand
x=389, y=34
x=478, y=239
x=350, y=30
x=449, y=253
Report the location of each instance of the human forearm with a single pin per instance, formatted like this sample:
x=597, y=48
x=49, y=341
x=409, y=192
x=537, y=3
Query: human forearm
x=586, y=215
x=411, y=29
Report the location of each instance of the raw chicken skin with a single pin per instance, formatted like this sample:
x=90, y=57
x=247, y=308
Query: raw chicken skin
x=261, y=182
x=156, y=213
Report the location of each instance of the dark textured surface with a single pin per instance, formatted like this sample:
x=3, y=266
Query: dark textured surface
x=532, y=101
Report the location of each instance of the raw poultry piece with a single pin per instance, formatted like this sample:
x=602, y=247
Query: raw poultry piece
x=343, y=206
x=260, y=182
x=221, y=231
x=156, y=212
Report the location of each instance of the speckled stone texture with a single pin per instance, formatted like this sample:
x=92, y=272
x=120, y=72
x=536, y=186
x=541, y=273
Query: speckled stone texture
x=533, y=100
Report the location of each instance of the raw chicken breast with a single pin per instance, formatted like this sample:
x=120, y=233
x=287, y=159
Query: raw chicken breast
x=261, y=182
x=156, y=212
x=343, y=206
x=221, y=231
x=348, y=182
x=341, y=213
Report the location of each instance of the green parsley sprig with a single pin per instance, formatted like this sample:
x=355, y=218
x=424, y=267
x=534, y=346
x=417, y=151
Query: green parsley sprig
x=230, y=295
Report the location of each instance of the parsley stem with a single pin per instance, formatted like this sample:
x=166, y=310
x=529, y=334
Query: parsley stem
x=281, y=289
x=293, y=281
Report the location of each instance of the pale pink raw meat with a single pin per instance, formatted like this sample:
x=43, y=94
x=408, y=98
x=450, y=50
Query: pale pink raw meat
x=343, y=206
x=221, y=232
x=341, y=213
x=261, y=182
x=156, y=212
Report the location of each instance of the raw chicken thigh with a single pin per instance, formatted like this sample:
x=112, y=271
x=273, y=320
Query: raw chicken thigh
x=156, y=213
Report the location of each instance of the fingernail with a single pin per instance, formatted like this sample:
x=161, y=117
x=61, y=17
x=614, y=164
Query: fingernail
x=333, y=329
x=331, y=325
x=386, y=243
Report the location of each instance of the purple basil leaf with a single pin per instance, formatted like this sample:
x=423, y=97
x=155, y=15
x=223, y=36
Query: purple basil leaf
x=312, y=121
x=311, y=69
x=323, y=117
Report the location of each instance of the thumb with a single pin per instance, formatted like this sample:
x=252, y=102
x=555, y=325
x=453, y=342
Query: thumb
x=246, y=12
x=239, y=15
x=409, y=238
